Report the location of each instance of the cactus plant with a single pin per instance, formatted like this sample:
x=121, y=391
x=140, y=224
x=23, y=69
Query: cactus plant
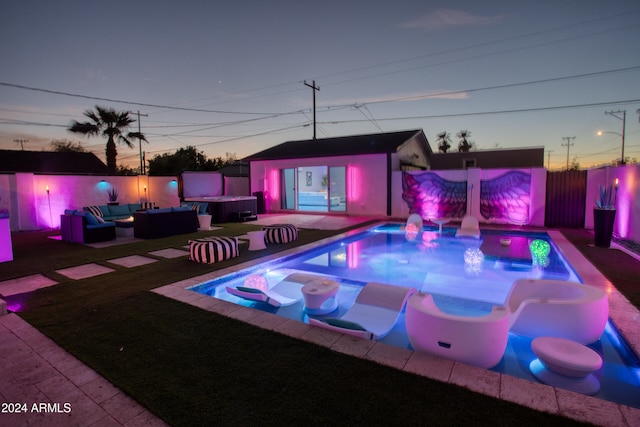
x=606, y=198
x=112, y=194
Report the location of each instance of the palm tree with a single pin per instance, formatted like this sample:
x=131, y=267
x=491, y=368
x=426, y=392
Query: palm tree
x=112, y=124
x=464, y=146
x=443, y=141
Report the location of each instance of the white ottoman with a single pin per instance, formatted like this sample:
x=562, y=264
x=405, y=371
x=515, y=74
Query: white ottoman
x=566, y=364
x=205, y=221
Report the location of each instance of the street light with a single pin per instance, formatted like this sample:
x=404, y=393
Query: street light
x=602, y=132
x=623, y=118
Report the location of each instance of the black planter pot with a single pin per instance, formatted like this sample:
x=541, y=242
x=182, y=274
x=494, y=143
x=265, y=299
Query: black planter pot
x=603, y=220
x=113, y=203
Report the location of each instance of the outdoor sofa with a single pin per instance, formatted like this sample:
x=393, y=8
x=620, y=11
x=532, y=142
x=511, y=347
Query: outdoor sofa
x=155, y=223
x=84, y=227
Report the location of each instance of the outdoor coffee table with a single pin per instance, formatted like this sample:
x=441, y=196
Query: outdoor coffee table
x=124, y=227
x=256, y=240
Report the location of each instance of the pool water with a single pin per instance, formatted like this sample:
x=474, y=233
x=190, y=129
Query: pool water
x=465, y=276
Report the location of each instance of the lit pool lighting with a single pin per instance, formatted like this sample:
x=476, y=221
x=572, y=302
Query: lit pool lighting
x=466, y=277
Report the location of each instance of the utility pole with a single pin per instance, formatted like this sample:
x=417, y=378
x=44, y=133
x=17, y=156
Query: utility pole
x=21, y=142
x=568, y=144
x=142, y=165
x=549, y=158
x=623, y=118
x=314, y=88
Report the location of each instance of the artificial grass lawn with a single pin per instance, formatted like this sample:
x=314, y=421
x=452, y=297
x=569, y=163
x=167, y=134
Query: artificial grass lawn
x=193, y=367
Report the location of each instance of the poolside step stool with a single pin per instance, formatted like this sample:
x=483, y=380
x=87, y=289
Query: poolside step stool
x=213, y=249
x=280, y=233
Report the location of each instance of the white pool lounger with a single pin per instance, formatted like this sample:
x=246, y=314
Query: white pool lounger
x=286, y=292
x=373, y=314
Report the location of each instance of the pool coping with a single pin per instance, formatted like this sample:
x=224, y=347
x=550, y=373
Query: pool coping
x=535, y=395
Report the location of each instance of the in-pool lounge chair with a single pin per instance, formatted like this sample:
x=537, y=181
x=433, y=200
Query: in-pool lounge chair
x=373, y=314
x=286, y=292
x=555, y=308
x=470, y=227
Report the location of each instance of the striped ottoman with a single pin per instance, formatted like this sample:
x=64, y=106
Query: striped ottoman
x=213, y=249
x=280, y=233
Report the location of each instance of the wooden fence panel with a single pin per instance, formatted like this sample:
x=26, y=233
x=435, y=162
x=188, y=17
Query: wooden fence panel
x=566, y=197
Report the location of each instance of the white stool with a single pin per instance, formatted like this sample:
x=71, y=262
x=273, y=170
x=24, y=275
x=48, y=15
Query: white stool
x=566, y=364
x=256, y=240
x=320, y=296
x=205, y=221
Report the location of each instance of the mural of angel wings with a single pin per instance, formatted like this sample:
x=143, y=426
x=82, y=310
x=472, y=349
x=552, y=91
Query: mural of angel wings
x=430, y=196
x=506, y=197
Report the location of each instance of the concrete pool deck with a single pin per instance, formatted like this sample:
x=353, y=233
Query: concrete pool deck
x=33, y=367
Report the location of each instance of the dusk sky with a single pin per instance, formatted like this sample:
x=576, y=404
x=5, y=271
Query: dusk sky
x=228, y=76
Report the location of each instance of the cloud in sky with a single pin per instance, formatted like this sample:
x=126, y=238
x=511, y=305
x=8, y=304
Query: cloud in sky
x=450, y=18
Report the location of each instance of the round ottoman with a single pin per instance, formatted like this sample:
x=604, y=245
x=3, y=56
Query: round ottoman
x=566, y=364
x=280, y=233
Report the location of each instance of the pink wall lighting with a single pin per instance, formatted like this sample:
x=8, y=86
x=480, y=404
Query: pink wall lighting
x=625, y=188
x=274, y=186
x=354, y=183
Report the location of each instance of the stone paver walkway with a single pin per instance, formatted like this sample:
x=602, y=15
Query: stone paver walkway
x=42, y=384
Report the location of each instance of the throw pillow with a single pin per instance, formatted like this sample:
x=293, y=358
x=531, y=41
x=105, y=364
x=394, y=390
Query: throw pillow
x=95, y=211
x=100, y=219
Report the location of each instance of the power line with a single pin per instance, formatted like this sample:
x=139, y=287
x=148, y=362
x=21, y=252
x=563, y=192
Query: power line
x=508, y=85
x=453, y=61
x=483, y=113
x=95, y=98
x=449, y=51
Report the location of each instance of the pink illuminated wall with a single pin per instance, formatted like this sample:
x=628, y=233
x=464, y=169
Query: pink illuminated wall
x=37, y=201
x=627, y=223
x=430, y=196
x=506, y=197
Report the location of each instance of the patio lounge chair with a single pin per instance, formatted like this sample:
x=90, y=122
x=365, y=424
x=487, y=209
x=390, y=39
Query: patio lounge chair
x=470, y=227
x=373, y=314
x=555, y=308
x=475, y=340
x=286, y=292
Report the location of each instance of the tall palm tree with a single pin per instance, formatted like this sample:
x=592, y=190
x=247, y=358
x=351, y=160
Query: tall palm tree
x=464, y=145
x=112, y=124
x=443, y=141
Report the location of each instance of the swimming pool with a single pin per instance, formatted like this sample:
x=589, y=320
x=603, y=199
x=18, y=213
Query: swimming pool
x=450, y=269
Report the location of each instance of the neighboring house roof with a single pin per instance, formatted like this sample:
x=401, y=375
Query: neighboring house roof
x=340, y=146
x=54, y=162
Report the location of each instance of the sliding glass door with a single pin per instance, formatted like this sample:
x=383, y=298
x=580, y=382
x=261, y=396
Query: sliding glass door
x=337, y=189
x=288, y=190
x=314, y=189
